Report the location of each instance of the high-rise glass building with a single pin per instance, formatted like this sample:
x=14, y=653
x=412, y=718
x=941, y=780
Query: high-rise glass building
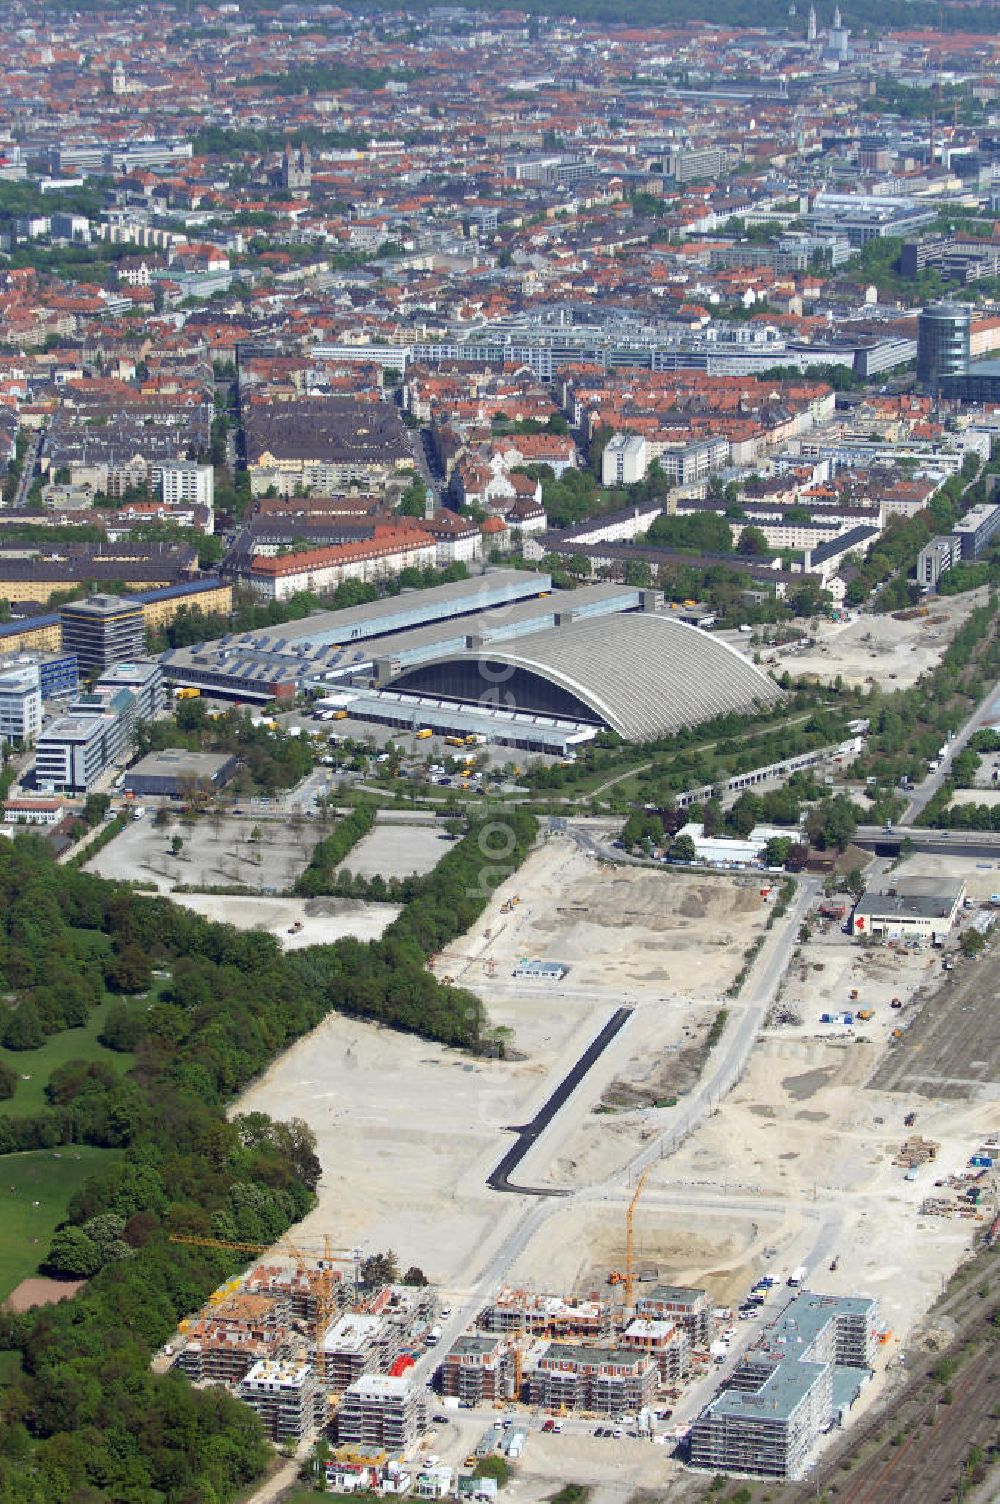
x=943, y=332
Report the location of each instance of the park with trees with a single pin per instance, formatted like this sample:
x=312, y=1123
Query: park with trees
x=83, y=1416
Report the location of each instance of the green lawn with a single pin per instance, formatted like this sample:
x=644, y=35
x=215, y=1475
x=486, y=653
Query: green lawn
x=71, y=1044
x=48, y=1177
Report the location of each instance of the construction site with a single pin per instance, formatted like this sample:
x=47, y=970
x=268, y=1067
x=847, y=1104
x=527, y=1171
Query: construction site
x=876, y=649
x=808, y=1167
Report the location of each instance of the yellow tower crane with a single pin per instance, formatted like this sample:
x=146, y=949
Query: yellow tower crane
x=630, y=1242
x=322, y=1263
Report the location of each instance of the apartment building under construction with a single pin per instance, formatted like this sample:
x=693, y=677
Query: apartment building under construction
x=381, y=1410
x=520, y=1310
x=691, y=1308
x=799, y=1380
x=230, y=1338
x=667, y=1342
x=286, y=1396
x=480, y=1369
x=606, y=1380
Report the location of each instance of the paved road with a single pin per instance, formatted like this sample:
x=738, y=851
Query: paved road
x=419, y=452
x=987, y=710
x=529, y=1133
x=28, y=472
x=982, y=843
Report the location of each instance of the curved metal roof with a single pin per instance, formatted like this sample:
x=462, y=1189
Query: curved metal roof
x=645, y=675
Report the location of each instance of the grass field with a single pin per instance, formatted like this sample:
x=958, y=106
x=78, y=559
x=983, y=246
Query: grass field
x=71, y=1044
x=35, y=1189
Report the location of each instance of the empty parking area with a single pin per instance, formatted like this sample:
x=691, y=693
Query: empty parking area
x=394, y=850
x=266, y=855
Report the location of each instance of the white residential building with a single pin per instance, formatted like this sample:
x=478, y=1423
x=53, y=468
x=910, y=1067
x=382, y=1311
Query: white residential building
x=382, y=1411
x=624, y=460
x=322, y=569
x=185, y=481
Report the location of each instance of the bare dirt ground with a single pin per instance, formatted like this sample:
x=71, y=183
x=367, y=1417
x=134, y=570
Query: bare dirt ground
x=41, y=1292
x=215, y=853
x=795, y=1166
x=647, y=932
x=322, y=920
x=408, y=1131
x=878, y=648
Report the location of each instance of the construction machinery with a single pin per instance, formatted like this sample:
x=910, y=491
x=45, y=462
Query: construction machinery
x=640, y=1186
x=321, y=1263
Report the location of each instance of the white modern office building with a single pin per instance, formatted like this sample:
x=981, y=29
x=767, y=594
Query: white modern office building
x=20, y=703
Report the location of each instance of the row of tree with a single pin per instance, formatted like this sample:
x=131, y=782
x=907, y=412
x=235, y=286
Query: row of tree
x=320, y=875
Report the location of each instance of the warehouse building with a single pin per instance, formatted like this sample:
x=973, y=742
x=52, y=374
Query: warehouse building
x=173, y=773
x=917, y=908
x=330, y=646
x=797, y=1382
x=732, y=851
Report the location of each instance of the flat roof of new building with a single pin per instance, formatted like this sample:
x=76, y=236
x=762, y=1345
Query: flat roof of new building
x=678, y=1295
x=584, y=1356
x=782, y=1392
x=352, y=1333
x=101, y=606
x=177, y=762
x=73, y=728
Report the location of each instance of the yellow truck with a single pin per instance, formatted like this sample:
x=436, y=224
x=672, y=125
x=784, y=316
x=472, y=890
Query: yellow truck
x=424, y=733
x=187, y=692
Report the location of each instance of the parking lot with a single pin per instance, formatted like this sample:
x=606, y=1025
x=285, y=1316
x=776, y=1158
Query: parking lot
x=216, y=851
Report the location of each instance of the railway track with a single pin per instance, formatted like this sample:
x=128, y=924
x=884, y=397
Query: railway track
x=923, y=1465
x=934, y=1436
